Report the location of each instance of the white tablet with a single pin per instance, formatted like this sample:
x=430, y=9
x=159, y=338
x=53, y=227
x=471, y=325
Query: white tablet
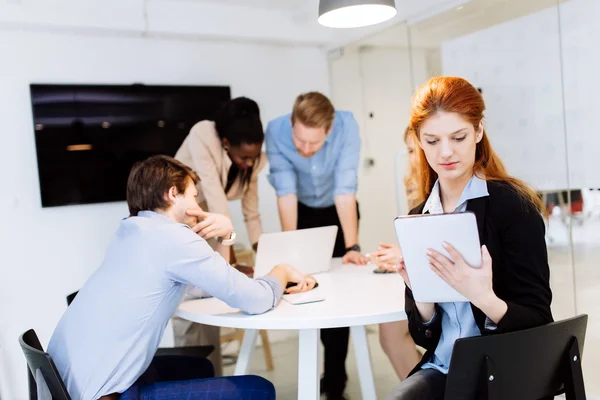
x=418, y=233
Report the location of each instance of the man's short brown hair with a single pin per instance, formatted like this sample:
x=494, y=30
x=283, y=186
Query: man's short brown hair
x=151, y=179
x=314, y=110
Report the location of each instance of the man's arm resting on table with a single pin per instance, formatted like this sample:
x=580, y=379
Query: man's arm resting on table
x=196, y=264
x=282, y=274
x=288, y=212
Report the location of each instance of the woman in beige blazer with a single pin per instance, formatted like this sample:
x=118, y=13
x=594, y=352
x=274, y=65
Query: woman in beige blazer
x=226, y=154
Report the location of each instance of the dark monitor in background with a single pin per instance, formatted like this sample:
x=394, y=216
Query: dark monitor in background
x=89, y=136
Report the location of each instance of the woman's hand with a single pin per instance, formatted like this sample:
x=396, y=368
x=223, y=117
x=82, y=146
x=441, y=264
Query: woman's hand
x=402, y=271
x=473, y=283
x=387, y=256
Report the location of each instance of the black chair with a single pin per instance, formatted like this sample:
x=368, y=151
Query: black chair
x=41, y=365
x=531, y=364
x=194, y=351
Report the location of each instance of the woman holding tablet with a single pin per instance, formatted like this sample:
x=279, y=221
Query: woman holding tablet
x=459, y=171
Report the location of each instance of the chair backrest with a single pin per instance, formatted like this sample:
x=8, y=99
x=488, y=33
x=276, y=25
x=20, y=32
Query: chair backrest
x=529, y=364
x=71, y=297
x=38, y=360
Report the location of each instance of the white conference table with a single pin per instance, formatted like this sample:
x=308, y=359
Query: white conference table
x=354, y=297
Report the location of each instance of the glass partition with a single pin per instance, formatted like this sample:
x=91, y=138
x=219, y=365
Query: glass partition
x=536, y=63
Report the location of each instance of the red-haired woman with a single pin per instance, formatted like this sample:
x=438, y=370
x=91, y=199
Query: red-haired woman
x=459, y=171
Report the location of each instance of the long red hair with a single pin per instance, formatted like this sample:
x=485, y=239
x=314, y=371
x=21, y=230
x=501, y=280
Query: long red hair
x=457, y=95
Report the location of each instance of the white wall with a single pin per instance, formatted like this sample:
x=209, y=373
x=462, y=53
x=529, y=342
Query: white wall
x=377, y=81
x=47, y=253
x=518, y=66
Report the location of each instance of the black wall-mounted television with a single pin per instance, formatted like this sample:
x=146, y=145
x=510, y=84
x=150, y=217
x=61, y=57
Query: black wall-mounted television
x=88, y=136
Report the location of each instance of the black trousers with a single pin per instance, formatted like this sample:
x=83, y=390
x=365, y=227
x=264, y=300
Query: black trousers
x=425, y=384
x=335, y=340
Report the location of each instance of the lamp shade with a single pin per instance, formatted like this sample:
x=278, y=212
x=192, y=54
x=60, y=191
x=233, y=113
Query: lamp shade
x=355, y=13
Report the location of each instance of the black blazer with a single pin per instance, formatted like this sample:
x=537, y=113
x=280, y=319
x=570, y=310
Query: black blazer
x=514, y=235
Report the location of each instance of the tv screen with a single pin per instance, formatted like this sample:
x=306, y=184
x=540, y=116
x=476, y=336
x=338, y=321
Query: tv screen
x=89, y=136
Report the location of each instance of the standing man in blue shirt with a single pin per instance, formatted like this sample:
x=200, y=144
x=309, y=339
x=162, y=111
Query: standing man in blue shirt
x=313, y=155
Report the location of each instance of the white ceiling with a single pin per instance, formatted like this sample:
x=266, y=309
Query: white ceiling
x=472, y=16
x=283, y=5
x=289, y=6
x=281, y=21
x=304, y=12
x=406, y=8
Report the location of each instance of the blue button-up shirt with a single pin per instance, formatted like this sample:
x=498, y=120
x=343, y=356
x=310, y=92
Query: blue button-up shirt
x=457, y=318
x=316, y=180
x=109, y=334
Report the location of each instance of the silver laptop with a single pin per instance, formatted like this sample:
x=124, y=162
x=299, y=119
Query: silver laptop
x=308, y=250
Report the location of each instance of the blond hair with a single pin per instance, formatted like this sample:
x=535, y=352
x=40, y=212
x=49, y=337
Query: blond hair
x=314, y=110
x=411, y=180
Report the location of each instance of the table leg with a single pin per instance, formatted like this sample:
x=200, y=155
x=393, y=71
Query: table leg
x=248, y=345
x=363, y=362
x=308, y=364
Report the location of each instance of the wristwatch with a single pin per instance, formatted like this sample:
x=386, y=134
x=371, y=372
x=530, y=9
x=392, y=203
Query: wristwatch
x=353, y=248
x=228, y=242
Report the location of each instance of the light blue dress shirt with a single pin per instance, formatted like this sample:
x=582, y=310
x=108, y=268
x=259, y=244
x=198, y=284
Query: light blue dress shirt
x=457, y=318
x=333, y=170
x=109, y=334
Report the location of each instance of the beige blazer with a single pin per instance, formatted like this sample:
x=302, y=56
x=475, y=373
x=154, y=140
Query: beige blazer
x=202, y=151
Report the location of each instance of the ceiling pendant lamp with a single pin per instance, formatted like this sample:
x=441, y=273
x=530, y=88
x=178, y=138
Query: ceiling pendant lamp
x=355, y=13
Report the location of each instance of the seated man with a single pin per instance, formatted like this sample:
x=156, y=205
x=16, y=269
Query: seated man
x=105, y=342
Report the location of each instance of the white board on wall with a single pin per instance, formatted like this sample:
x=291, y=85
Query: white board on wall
x=517, y=64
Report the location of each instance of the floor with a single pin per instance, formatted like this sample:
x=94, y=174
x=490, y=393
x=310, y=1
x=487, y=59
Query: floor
x=285, y=374
x=585, y=275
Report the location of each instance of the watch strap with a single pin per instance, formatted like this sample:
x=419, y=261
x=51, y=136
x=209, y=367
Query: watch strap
x=356, y=247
